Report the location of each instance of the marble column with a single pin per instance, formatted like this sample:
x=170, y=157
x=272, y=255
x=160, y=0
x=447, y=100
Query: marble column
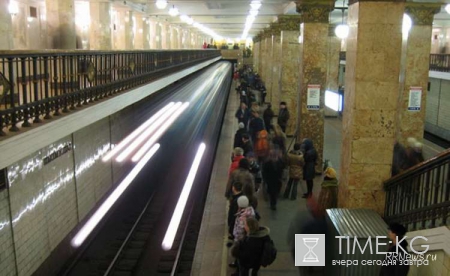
x=268, y=65
x=313, y=70
x=374, y=48
x=415, y=69
x=256, y=49
x=276, y=67
x=61, y=32
x=153, y=33
x=334, y=49
x=263, y=55
x=173, y=37
x=138, y=31
x=164, y=36
x=100, y=27
x=146, y=36
x=6, y=43
x=130, y=22
x=290, y=55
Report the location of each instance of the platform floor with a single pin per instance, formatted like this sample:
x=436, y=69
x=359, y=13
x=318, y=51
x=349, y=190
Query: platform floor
x=212, y=256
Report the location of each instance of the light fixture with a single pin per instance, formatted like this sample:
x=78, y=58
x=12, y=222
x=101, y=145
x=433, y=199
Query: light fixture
x=13, y=8
x=342, y=29
x=253, y=12
x=447, y=8
x=407, y=24
x=173, y=11
x=161, y=4
x=255, y=5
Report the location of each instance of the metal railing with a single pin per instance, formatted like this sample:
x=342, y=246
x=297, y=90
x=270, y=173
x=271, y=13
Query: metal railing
x=438, y=62
x=35, y=86
x=419, y=197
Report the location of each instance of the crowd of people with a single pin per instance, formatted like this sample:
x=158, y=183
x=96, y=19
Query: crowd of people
x=262, y=161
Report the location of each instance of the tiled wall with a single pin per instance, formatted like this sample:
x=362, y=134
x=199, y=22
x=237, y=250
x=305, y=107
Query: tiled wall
x=439, y=267
x=438, y=108
x=48, y=200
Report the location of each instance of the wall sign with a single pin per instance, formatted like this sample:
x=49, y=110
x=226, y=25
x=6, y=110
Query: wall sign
x=415, y=98
x=57, y=153
x=313, y=100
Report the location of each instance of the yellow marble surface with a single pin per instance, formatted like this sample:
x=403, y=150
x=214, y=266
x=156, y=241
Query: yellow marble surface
x=256, y=56
x=290, y=54
x=268, y=67
x=6, y=32
x=276, y=72
x=100, y=27
x=60, y=20
x=313, y=70
x=371, y=97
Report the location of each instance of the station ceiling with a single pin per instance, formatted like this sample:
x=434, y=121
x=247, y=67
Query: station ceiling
x=227, y=17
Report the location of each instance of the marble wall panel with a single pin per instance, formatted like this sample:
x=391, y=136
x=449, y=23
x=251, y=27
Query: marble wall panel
x=268, y=68
x=276, y=73
x=6, y=27
x=100, y=27
x=256, y=56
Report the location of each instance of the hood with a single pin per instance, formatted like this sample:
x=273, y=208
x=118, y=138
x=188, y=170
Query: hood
x=262, y=232
x=308, y=144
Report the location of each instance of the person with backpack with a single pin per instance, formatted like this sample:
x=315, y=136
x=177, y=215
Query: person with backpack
x=255, y=250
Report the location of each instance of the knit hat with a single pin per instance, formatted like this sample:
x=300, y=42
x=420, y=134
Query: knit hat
x=330, y=173
x=242, y=202
x=241, y=125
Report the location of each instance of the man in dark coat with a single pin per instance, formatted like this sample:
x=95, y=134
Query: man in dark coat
x=272, y=172
x=249, y=250
x=238, y=136
x=309, y=170
x=283, y=116
x=267, y=116
x=243, y=114
x=256, y=125
x=247, y=145
x=233, y=208
x=396, y=233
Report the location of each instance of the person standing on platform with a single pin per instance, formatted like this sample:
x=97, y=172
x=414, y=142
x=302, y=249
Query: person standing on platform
x=238, y=136
x=328, y=195
x=244, y=212
x=283, y=116
x=309, y=169
x=238, y=154
x=247, y=145
x=233, y=208
x=243, y=114
x=249, y=251
x=242, y=175
x=272, y=172
x=396, y=234
x=279, y=138
x=268, y=116
x=295, y=162
x=256, y=125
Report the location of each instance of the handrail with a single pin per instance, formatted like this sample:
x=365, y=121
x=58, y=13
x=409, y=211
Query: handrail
x=40, y=84
x=419, y=197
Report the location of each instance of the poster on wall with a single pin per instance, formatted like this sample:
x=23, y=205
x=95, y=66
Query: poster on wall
x=415, y=98
x=313, y=101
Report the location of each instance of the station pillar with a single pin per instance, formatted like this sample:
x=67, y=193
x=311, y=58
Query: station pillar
x=61, y=32
x=415, y=70
x=290, y=74
x=372, y=88
x=313, y=49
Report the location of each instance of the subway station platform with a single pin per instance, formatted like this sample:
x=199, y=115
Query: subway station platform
x=212, y=256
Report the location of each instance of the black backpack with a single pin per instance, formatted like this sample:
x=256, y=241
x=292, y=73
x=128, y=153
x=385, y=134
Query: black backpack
x=269, y=252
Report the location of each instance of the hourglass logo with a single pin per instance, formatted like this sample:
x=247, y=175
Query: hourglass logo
x=310, y=250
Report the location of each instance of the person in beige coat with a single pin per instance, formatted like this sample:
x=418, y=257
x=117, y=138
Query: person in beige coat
x=295, y=162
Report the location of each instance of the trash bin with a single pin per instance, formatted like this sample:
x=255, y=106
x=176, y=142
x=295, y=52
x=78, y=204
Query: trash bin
x=362, y=224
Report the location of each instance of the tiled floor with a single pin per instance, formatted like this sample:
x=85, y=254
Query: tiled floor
x=212, y=256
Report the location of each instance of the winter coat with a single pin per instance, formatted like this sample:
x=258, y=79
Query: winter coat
x=272, y=174
x=238, y=138
x=233, y=209
x=255, y=126
x=247, y=147
x=235, y=164
x=256, y=171
x=310, y=157
x=295, y=162
x=239, y=175
x=268, y=115
x=397, y=269
x=241, y=216
x=243, y=116
x=249, y=250
x=283, y=117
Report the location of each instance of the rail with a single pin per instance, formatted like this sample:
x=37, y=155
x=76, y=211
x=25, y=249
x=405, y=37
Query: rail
x=35, y=86
x=438, y=62
x=419, y=197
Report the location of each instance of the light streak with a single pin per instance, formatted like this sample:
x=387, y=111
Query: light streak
x=181, y=204
x=159, y=133
x=135, y=133
x=84, y=232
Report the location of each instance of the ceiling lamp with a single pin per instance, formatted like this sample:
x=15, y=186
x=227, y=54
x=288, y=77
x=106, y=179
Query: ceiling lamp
x=447, y=8
x=13, y=8
x=342, y=31
x=173, y=11
x=161, y=4
x=253, y=12
x=255, y=5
